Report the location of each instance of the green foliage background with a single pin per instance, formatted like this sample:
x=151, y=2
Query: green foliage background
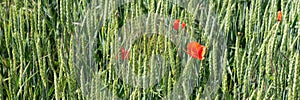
x=43, y=44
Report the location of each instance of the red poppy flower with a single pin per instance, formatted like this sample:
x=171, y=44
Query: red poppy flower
x=125, y=54
x=196, y=50
x=177, y=23
x=279, y=17
x=183, y=25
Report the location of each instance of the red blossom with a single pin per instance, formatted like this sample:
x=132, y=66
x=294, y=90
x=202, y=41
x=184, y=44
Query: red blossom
x=177, y=23
x=125, y=54
x=183, y=25
x=196, y=50
x=279, y=16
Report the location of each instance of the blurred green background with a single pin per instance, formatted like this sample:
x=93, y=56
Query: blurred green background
x=66, y=49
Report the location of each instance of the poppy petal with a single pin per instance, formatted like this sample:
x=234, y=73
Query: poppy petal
x=195, y=50
x=183, y=25
x=176, y=24
x=125, y=54
x=201, y=52
x=279, y=16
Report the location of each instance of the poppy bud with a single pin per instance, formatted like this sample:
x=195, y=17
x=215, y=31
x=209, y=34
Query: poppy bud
x=279, y=17
x=176, y=24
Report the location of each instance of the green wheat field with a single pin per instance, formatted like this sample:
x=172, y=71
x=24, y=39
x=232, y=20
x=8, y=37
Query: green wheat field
x=129, y=49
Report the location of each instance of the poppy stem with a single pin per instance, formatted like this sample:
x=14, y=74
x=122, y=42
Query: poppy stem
x=185, y=50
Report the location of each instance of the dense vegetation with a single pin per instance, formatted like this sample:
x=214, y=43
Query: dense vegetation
x=104, y=49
